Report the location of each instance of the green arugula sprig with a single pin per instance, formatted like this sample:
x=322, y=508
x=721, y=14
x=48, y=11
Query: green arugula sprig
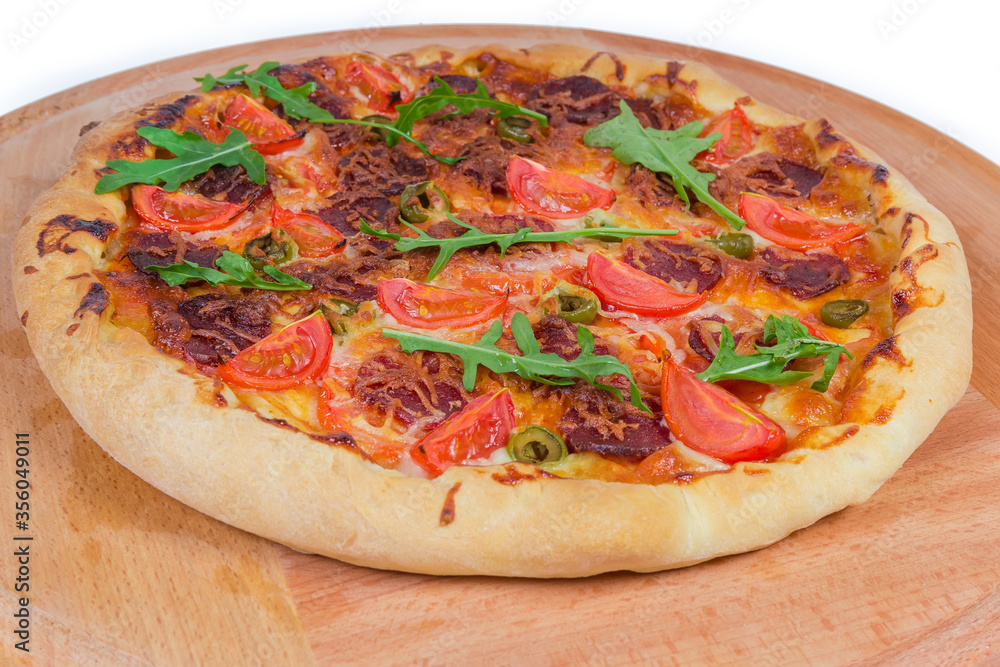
x=474, y=237
x=665, y=151
x=443, y=95
x=296, y=103
x=238, y=273
x=532, y=364
x=194, y=156
x=792, y=340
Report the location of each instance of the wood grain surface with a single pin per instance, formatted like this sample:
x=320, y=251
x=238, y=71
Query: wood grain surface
x=122, y=574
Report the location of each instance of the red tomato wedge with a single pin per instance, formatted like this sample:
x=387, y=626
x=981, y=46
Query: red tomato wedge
x=285, y=359
x=269, y=134
x=710, y=420
x=737, y=137
x=790, y=228
x=382, y=88
x=623, y=287
x=176, y=211
x=314, y=237
x=552, y=194
x=427, y=307
x=481, y=428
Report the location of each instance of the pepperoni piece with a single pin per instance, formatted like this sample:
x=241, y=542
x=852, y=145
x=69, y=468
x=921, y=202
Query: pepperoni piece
x=805, y=275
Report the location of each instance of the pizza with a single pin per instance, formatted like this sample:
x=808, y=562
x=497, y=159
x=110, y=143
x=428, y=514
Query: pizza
x=541, y=312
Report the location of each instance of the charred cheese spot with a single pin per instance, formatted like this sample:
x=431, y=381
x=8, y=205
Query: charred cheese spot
x=448, y=508
x=95, y=300
x=55, y=232
x=885, y=349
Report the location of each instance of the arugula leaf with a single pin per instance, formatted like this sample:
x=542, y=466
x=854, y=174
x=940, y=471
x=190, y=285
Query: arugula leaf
x=665, y=151
x=443, y=95
x=295, y=101
x=532, y=364
x=767, y=365
x=238, y=272
x=194, y=156
x=473, y=237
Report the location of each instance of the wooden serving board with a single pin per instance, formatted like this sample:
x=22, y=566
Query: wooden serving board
x=122, y=574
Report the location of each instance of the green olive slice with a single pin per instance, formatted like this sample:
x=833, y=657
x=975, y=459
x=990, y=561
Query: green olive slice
x=574, y=303
x=515, y=128
x=843, y=312
x=415, y=202
x=536, y=444
x=276, y=247
x=382, y=120
x=735, y=245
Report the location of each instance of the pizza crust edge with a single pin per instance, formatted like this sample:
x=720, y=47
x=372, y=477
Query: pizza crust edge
x=318, y=498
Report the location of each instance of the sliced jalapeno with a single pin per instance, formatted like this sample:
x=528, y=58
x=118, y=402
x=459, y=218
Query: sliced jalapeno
x=574, y=303
x=338, y=313
x=735, y=245
x=415, y=203
x=515, y=128
x=536, y=444
x=382, y=120
x=276, y=247
x=843, y=312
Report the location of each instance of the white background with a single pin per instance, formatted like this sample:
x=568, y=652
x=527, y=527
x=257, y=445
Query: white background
x=937, y=61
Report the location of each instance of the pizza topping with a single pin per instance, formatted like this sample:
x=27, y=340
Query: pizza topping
x=274, y=248
x=230, y=182
x=621, y=286
x=734, y=244
x=294, y=101
x=221, y=326
x=663, y=151
x=164, y=248
x=765, y=173
x=516, y=129
x=382, y=88
x=579, y=99
x=238, y=272
x=737, y=136
x=532, y=363
x=347, y=211
x=553, y=194
x=806, y=275
x=269, y=134
x=710, y=420
x=595, y=422
x=378, y=169
x=285, y=359
x=790, y=340
x=676, y=262
x=194, y=156
x=478, y=430
x=843, y=312
x=415, y=203
x=447, y=247
x=312, y=236
x=427, y=307
x=409, y=387
x=790, y=228
x=573, y=303
x=176, y=211
x=536, y=445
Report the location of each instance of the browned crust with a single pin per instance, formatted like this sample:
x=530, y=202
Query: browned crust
x=314, y=497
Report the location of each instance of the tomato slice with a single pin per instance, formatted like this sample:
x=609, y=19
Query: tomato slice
x=427, y=307
x=269, y=133
x=710, y=420
x=790, y=228
x=737, y=137
x=285, y=359
x=623, y=287
x=482, y=427
x=552, y=194
x=382, y=88
x=176, y=211
x=314, y=237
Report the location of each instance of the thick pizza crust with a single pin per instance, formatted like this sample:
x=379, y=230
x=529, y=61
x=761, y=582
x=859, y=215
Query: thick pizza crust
x=164, y=421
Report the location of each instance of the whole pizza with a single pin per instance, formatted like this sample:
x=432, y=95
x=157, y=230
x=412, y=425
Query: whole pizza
x=544, y=312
